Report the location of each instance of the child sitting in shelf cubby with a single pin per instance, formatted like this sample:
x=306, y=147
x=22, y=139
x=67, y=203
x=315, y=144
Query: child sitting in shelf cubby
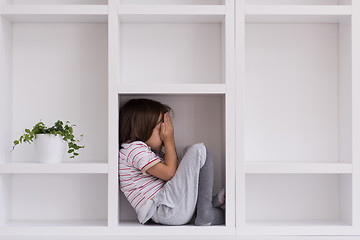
x=154, y=184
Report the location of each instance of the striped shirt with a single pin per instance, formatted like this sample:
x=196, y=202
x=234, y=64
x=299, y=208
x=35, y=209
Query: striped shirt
x=138, y=187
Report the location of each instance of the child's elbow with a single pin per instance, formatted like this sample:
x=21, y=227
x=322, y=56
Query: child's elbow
x=170, y=175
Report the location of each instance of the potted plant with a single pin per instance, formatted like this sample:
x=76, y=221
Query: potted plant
x=50, y=143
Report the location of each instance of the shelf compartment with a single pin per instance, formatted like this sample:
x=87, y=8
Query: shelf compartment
x=297, y=13
x=196, y=118
x=169, y=53
x=57, y=56
x=172, y=89
x=299, y=200
x=59, y=200
x=171, y=13
x=54, y=168
x=298, y=93
x=297, y=167
x=55, y=13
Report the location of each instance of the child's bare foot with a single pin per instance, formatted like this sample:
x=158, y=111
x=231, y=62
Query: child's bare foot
x=219, y=199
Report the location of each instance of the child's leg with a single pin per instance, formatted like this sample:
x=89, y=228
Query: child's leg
x=206, y=213
x=176, y=201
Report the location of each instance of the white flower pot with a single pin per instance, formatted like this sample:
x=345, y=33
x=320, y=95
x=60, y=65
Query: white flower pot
x=49, y=148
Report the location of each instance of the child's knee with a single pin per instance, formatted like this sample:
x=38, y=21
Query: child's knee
x=198, y=150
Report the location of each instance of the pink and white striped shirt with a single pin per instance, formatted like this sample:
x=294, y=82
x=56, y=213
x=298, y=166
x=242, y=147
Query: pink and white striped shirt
x=138, y=186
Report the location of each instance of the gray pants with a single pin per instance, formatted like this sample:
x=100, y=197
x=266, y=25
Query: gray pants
x=176, y=202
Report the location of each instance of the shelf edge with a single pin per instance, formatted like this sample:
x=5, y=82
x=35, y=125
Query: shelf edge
x=321, y=168
x=289, y=10
x=53, y=168
x=9, y=10
x=172, y=10
x=172, y=89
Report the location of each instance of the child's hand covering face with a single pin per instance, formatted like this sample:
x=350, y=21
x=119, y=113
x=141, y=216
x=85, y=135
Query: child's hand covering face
x=167, y=129
x=155, y=141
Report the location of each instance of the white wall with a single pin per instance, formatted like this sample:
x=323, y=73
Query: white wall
x=345, y=92
x=60, y=72
x=292, y=92
x=297, y=198
x=5, y=89
x=59, y=197
x=170, y=53
x=345, y=115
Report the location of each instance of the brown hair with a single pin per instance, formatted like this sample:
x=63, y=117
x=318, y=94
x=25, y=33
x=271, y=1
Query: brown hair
x=138, y=118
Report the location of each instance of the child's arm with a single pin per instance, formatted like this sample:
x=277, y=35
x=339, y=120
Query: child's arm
x=166, y=170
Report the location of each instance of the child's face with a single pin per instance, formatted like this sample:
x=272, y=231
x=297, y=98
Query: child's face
x=155, y=141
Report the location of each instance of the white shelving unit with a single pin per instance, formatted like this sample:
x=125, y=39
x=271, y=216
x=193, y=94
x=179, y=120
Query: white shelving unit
x=270, y=86
x=184, y=57
x=297, y=106
x=54, y=65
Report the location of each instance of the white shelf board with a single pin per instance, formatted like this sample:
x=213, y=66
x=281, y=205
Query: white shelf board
x=26, y=228
x=296, y=167
x=172, y=89
x=135, y=228
x=171, y=13
x=54, y=168
x=297, y=13
x=297, y=227
x=55, y=13
x=56, y=223
x=299, y=222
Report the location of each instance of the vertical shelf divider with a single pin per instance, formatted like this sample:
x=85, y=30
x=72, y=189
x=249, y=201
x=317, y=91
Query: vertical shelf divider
x=239, y=102
x=113, y=183
x=230, y=109
x=355, y=41
x=5, y=119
